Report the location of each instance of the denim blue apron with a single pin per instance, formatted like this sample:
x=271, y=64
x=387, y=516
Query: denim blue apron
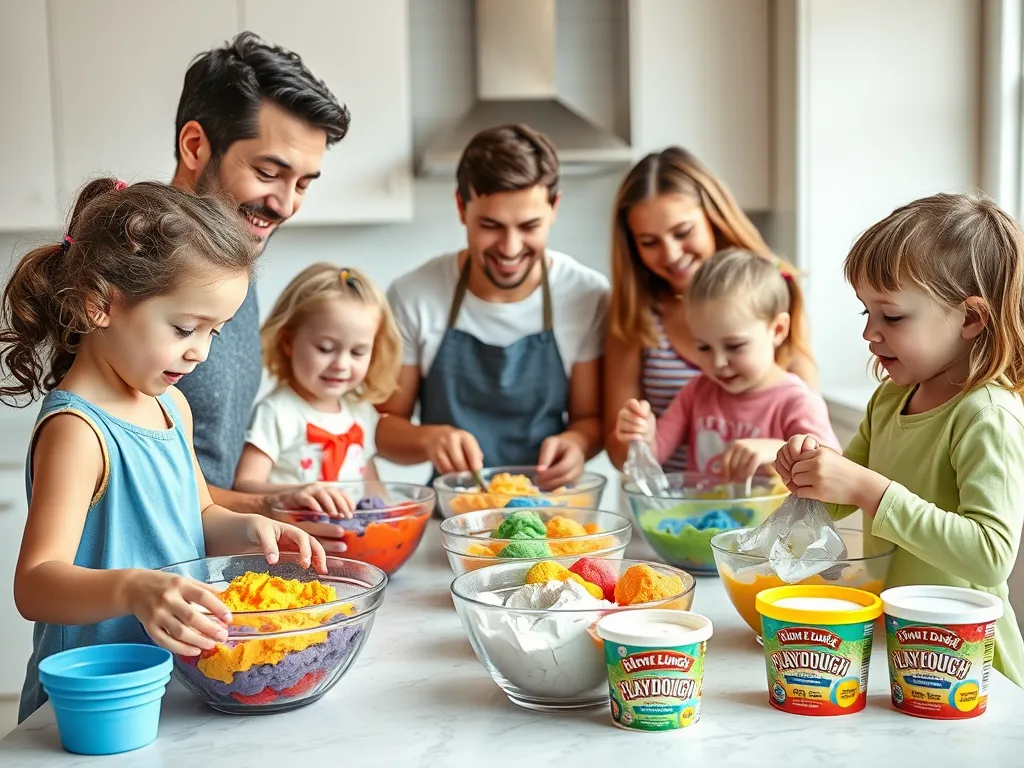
x=509, y=398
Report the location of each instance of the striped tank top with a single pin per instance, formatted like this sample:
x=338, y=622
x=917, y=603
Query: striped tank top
x=663, y=374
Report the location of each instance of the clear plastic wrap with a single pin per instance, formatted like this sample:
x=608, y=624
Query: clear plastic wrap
x=798, y=539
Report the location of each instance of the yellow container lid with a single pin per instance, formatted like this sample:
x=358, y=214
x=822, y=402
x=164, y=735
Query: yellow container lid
x=818, y=604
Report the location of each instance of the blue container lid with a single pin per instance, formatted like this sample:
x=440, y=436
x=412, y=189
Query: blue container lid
x=108, y=667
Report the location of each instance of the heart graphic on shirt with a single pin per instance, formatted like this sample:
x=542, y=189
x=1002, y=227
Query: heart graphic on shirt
x=306, y=463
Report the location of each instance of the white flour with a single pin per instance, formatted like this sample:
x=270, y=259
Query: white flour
x=550, y=655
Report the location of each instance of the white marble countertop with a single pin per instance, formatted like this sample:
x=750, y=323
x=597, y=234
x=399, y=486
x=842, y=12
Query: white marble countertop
x=417, y=696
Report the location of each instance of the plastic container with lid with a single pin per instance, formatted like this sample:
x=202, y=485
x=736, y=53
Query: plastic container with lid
x=817, y=647
x=655, y=660
x=940, y=642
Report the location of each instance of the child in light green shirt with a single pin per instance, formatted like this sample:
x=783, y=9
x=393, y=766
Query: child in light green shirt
x=938, y=463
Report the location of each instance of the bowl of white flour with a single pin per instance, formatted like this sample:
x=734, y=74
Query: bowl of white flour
x=537, y=641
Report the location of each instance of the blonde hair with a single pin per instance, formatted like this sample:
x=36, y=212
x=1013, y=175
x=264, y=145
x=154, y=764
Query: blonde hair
x=635, y=289
x=954, y=247
x=744, y=276
x=304, y=295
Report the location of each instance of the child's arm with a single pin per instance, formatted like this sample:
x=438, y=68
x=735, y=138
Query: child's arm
x=68, y=468
x=251, y=477
x=231, y=533
x=857, y=452
x=978, y=541
x=671, y=428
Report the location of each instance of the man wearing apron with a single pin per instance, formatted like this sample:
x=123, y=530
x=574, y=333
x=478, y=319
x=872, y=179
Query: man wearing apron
x=502, y=340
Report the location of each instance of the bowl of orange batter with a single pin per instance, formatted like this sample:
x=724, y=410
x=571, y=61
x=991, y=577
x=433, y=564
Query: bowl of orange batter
x=458, y=492
x=385, y=530
x=865, y=567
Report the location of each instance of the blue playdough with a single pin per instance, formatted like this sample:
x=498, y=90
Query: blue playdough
x=717, y=519
x=528, y=501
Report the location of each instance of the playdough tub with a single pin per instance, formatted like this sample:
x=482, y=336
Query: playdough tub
x=940, y=642
x=655, y=660
x=817, y=647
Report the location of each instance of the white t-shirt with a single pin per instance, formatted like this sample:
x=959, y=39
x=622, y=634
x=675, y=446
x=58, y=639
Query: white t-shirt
x=422, y=299
x=278, y=428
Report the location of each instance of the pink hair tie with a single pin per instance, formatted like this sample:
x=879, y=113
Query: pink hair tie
x=119, y=185
x=66, y=243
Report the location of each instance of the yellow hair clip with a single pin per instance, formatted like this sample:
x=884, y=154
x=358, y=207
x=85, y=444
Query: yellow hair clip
x=347, y=278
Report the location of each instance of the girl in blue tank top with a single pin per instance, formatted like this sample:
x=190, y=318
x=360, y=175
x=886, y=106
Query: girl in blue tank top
x=104, y=324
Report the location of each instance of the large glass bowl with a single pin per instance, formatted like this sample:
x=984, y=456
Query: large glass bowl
x=865, y=566
x=680, y=524
x=457, y=492
x=278, y=660
x=385, y=535
x=467, y=541
x=548, y=660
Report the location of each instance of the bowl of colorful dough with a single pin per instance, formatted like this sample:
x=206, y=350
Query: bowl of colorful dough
x=864, y=566
x=385, y=530
x=458, y=492
x=293, y=632
x=680, y=523
x=518, y=532
x=531, y=624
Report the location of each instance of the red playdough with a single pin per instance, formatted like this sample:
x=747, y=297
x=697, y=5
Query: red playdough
x=597, y=572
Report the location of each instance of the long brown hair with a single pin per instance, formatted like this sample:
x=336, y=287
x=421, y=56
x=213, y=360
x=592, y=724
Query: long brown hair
x=135, y=242
x=952, y=248
x=636, y=290
x=305, y=294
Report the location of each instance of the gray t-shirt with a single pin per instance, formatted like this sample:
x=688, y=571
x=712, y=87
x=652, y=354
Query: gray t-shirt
x=221, y=391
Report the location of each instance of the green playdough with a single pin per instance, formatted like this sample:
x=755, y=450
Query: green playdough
x=522, y=524
x=525, y=545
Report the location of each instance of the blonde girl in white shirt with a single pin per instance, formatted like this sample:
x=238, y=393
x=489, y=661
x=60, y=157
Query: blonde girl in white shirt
x=332, y=344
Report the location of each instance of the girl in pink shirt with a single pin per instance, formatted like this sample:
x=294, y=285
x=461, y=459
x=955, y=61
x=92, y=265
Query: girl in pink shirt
x=741, y=410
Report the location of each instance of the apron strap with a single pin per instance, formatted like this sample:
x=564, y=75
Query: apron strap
x=463, y=285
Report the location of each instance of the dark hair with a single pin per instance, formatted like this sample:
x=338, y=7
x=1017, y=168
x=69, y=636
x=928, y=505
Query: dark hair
x=507, y=158
x=137, y=241
x=225, y=87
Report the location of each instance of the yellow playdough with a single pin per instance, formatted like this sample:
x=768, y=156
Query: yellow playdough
x=547, y=570
x=262, y=592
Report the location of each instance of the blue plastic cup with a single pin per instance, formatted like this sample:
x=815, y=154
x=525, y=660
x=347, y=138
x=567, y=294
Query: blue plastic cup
x=107, y=697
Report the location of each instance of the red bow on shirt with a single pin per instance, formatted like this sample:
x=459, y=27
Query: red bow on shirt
x=334, y=448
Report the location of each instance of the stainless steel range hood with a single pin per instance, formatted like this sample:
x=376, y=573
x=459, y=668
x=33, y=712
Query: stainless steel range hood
x=515, y=67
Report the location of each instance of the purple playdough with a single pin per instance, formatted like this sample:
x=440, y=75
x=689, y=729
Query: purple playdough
x=334, y=652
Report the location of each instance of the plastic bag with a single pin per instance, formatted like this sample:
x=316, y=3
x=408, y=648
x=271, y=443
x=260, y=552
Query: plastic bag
x=798, y=539
x=643, y=469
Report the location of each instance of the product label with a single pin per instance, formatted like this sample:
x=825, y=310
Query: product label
x=939, y=672
x=817, y=670
x=654, y=689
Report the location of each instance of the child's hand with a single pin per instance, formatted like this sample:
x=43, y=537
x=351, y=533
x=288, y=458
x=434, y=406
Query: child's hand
x=635, y=422
x=818, y=472
x=171, y=609
x=787, y=454
x=743, y=458
x=266, y=533
x=318, y=497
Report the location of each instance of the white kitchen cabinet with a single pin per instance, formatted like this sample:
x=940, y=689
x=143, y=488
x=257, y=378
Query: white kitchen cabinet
x=700, y=79
x=15, y=632
x=28, y=198
x=118, y=70
x=361, y=50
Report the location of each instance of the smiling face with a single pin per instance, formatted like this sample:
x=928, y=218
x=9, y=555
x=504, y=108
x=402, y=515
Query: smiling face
x=507, y=234
x=151, y=345
x=330, y=350
x=673, y=237
x=267, y=175
x=735, y=348
x=914, y=338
